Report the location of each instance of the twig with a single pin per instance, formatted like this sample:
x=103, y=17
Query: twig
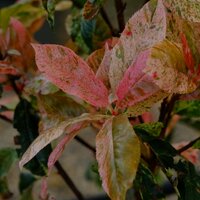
x=167, y=112
x=107, y=20
x=68, y=181
x=84, y=143
x=120, y=6
x=188, y=145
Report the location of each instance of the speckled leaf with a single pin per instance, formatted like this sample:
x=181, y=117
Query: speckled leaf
x=53, y=133
x=94, y=59
x=187, y=9
x=70, y=73
x=91, y=8
x=143, y=30
x=136, y=91
x=167, y=68
x=118, y=156
x=25, y=12
x=56, y=153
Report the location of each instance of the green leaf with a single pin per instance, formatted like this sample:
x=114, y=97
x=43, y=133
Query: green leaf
x=187, y=108
x=49, y=5
x=26, y=180
x=153, y=128
x=26, y=122
x=7, y=157
x=118, y=156
x=24, y=12
x=146, y=184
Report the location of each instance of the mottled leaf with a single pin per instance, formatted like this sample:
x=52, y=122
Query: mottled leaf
x=7, y=157
x=147, y=185
x=118, y=156
x=61, y=65
x=95, y=32
x=187, y=9
x=167, y=68
x=50, y=5
x=94, y=59
x=25, y=12
x=91, y=8
x=144, y=29
x=188, y=108
x=56, y=153
x=53, y=133
x=153, y=128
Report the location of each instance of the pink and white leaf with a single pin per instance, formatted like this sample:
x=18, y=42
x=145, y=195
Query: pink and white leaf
x=144, y=29
x=55, y=132
x=57, y=152
x=70, y=73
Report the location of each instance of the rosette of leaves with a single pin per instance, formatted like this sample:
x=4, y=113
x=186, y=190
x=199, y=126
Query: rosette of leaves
x=143, y=67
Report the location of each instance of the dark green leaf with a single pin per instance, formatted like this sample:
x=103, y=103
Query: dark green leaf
x=27, y=194
x=79, y=3
x=26, y=180
x=146, y=184
x=7, y=157
x=94, y=32
x=4, y=190
x=26, y=122
x=153, y=128
x=188, y=182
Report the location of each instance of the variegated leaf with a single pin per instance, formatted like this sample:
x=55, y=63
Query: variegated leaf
x=118, y=156
x=70, y=73
x=53, y=133
x=187, y=9
x=146, y=28
x=167, y=68
x=136, y=91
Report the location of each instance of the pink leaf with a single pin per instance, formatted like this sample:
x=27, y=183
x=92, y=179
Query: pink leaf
x=6, y=68
x=145, y=28
x=44, y=187
x=70, y=73
x=56, y=153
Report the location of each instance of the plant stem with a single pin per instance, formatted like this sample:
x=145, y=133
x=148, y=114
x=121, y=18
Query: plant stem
x=188, y=145
x=166, y=112
x=120, y=6
x=87, y=145
x=107, y=20
x=68, y=181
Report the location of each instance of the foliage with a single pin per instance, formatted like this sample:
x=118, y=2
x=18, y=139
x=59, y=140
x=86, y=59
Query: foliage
x=107, y=82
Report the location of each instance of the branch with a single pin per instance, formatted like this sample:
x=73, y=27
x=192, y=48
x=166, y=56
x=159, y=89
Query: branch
x=120, y=6
x=166, y=113
x=107, y=20
x=186, y=147
x=87, y=145
x=68, y=181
